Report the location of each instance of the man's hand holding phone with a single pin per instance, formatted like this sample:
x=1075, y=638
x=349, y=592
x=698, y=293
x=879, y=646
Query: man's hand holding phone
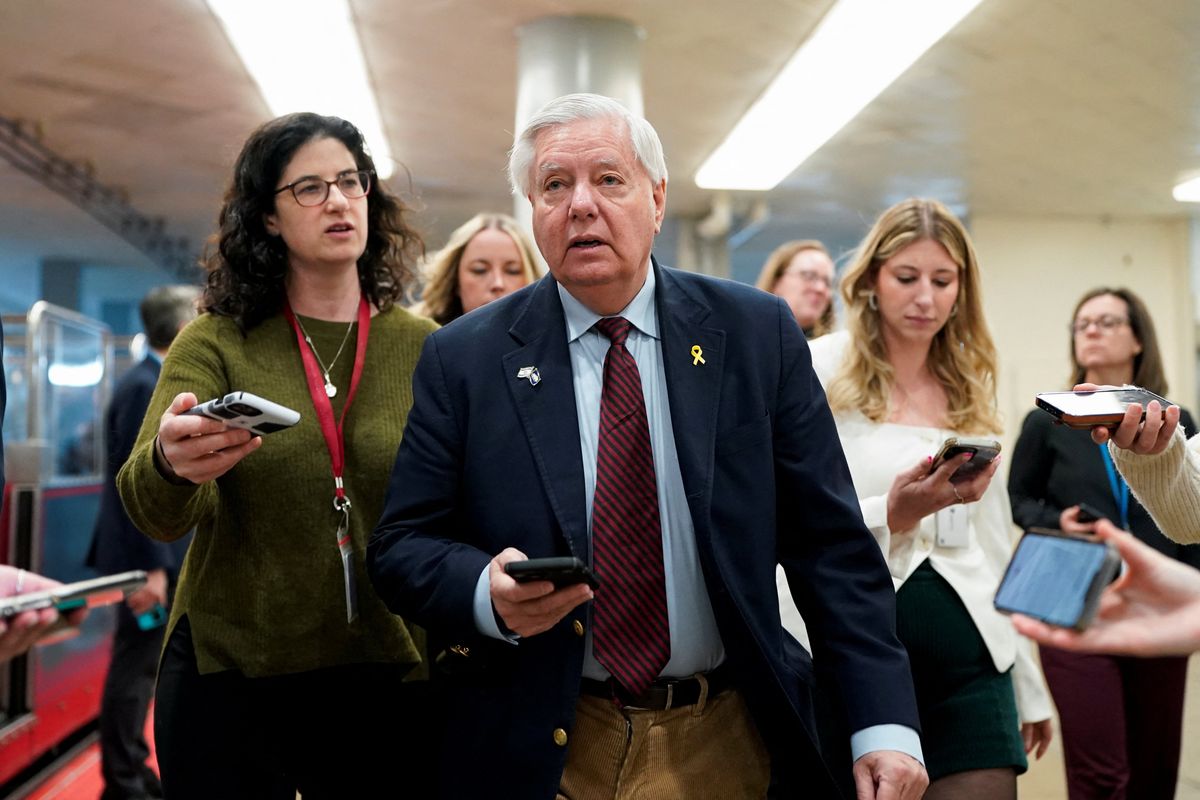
x=528, y=609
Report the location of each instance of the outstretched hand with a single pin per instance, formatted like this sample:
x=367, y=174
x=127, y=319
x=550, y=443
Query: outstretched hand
x=1144, y=438
x=19, y=633
x=198, y=449
x=1153, y=609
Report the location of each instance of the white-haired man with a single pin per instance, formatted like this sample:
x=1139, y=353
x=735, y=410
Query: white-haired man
x=667, y=429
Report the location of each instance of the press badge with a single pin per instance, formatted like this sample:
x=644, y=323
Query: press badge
x=953, y=526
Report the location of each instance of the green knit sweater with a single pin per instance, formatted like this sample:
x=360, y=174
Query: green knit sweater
x=262, y=584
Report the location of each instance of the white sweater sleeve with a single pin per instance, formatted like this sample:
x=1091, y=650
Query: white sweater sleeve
x=1167, y=485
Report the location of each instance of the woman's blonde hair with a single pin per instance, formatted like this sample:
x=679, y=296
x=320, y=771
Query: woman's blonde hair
x=440, y=300
x=778, y=262
x=962, y=356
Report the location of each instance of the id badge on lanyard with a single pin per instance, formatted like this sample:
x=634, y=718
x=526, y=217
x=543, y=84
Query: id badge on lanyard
x=334, y=439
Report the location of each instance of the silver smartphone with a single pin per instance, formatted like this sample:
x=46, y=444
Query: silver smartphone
x=1101, y=408
x=248, y=411
x=70, y=596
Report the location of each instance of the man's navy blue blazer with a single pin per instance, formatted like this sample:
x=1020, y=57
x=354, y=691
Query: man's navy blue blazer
x=490, y=461
x=117, y=544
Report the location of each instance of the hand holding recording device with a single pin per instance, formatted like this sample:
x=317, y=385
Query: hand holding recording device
x=1101, y=408
x=983, y=452
x=70, y=596
x=1057, y=578
x=561, y=571
x=248, y=411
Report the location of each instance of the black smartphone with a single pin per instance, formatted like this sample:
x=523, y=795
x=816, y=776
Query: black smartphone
x=1103, y=408
x=983, y=452
x=70, y=596
x=561, y=571
x=248, y=411
x=1057, y=577
x=1089, y=513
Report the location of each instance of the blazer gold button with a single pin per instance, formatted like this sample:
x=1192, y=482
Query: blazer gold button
x=577, y=626
x=560, y=737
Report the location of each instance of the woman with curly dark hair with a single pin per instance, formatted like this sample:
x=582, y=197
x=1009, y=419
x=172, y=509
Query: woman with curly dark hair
x=278, y=653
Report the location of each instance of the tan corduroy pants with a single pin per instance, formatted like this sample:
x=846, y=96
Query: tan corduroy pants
x=707, y=750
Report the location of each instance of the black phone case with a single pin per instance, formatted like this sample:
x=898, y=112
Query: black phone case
x=981, y=457
x=1089, y=513
x=561, y=571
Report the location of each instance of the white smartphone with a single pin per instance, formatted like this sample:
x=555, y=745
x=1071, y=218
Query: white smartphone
x=248, y=411
x=70, y=596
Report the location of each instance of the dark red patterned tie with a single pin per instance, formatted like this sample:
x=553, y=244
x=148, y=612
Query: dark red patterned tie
x=630, y=634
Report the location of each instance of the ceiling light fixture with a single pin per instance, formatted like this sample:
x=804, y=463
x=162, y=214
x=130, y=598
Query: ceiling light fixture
x=305, y=56
x=1187, y=191
x=856, y=51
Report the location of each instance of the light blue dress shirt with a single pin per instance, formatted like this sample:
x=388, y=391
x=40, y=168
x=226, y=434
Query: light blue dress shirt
x=696, y=644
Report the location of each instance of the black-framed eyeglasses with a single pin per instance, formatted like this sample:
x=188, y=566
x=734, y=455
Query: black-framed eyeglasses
x=1105, y=322
x=313, y=191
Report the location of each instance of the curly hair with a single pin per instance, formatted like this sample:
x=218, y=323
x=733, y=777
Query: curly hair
x=962, y=356
x=441, y=300
x=1148, y=371
x=247, y=267
x=774, y=267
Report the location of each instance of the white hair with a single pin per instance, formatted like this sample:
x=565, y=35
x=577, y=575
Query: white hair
x=571, y=108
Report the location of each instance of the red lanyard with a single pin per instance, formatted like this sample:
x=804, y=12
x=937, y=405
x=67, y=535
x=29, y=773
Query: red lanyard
x=321, y=401
x=334, y=440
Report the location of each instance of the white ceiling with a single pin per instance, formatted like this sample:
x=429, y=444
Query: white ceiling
x=1050, y=107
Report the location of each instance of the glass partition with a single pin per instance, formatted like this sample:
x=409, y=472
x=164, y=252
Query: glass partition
x=68, y=382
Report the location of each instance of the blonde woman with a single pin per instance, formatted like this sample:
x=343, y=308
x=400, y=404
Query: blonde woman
x=917, y=365
x=801, y=273
x=486, y=258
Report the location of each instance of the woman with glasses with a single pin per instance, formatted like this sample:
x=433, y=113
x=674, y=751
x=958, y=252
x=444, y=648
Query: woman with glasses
x=281, y=665
x=1121, y=716
x=486, y=258
x=915, y=366
x=801, y=273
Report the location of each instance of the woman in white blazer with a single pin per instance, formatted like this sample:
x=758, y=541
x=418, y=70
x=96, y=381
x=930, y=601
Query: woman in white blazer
x=915, y=366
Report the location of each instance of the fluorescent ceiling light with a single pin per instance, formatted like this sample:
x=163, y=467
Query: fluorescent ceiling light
x=857, y=50
x=88, y=374
x=305, y=56
x=1188, y=191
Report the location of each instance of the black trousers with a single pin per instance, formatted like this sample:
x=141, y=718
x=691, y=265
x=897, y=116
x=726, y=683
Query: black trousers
x=225, y=735
x=123, y=706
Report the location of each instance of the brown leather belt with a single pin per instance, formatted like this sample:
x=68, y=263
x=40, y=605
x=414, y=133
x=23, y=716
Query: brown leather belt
x=663, y=694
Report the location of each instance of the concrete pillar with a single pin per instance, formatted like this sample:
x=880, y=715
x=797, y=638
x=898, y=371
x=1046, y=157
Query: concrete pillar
x=562, y=55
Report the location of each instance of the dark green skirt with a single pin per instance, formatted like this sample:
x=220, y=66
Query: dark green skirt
x=968, y=709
